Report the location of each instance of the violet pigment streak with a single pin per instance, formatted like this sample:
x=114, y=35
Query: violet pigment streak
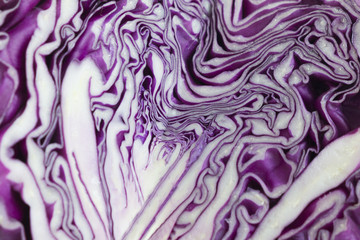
x=179, y=119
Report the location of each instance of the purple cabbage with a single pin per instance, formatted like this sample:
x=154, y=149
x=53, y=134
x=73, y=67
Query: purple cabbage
x=179, y=119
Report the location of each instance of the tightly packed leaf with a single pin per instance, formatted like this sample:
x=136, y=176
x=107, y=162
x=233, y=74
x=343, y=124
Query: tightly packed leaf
x=179, y=119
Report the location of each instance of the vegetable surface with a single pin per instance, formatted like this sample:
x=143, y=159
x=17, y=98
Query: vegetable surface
x=179, y=119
